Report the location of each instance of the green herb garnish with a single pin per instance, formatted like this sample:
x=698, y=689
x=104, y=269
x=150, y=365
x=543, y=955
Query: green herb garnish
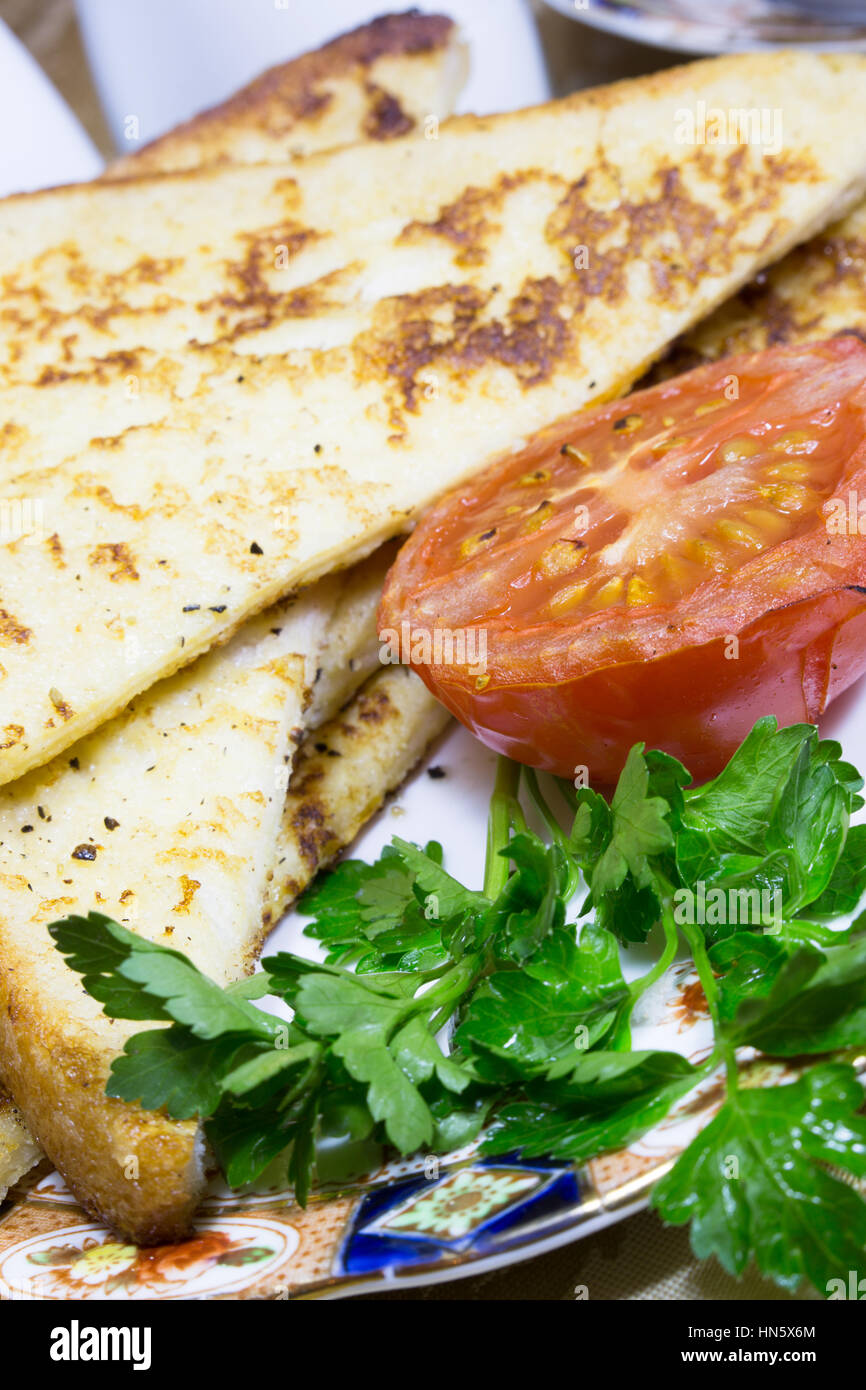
x=747, y=872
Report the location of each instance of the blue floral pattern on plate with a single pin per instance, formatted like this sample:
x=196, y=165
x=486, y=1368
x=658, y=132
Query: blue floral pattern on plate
x=476, y=1207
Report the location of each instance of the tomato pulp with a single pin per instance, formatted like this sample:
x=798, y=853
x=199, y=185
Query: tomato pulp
x=666, y=568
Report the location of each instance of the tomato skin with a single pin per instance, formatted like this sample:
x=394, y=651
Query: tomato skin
x=695, y=703
x=781, y=631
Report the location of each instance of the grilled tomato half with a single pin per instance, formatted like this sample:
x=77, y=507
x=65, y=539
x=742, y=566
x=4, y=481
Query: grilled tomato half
x=666, y=568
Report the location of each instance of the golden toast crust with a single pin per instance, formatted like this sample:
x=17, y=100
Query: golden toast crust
x=19, y=1152
x=136, y=1170
x=293, y=108
x=817, y=291
x=342, y=775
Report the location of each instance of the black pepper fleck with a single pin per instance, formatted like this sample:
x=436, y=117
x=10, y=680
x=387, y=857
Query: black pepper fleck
x=437, y=773
x=84, y=852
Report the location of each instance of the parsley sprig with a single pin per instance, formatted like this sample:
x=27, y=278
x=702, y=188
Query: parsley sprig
x=441, y=1013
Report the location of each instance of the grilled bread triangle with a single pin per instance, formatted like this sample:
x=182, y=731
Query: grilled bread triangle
x=19, y=1151
x=166, y=820
x=817, y=291
x=220, y=385
x=389, y=78
x=344, y=772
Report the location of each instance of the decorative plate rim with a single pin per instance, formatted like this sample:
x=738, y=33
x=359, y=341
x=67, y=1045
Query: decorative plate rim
x=682, y=35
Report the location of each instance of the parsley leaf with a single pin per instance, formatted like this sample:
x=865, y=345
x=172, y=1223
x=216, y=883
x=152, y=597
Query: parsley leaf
x=391, y=1096
x=613, y=1101
x=431, y=881
x=263, y=1077
x=621, y=849
x=754, y=1183
x=847, y=883
x=171, y=1068
x=565, y=997
x=246, y=1141
x=776, y=817
x=807, y=1001
x=809, y=823
x=155, y=982
x=355, y=902
x=735, y=809
x=639, y=830
x=405, y=904
x=531, y=904
x=601, y=1079
x=419, y=1056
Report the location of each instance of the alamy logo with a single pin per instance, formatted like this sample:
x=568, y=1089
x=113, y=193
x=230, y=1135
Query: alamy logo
x=441, y=646
x=716, y=907
x=853, y=1288
x=845, y=516
x=760, y=126
x=21, y=519
x=77, y=1343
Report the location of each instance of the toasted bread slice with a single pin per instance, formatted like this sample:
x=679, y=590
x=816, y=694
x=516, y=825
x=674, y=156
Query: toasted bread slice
x=350, y=651
x=816, y=291
x=344, y=772
x=166, y=820
x=392, y=77
x=19, y=1151
x=369, y=327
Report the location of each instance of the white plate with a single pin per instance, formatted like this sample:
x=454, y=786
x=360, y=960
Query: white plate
x=725, y=26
